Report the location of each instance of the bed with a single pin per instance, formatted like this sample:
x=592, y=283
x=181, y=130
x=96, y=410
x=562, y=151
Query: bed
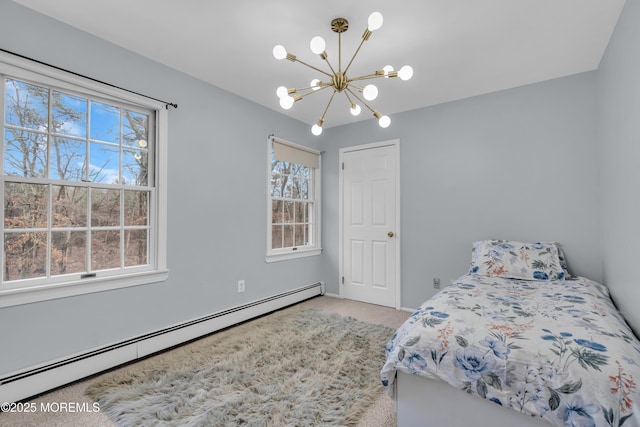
x=515, y=342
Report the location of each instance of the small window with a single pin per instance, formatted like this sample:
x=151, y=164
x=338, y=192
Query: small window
x=82, y=204
x=293, y=201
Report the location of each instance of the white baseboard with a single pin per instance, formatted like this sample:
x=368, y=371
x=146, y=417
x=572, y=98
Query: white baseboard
x=40, y=378
x=333, y=295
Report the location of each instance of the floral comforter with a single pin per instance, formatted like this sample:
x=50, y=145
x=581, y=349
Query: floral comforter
x=558, y=350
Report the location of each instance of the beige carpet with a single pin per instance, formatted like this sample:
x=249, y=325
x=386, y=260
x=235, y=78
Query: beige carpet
x=380, y=414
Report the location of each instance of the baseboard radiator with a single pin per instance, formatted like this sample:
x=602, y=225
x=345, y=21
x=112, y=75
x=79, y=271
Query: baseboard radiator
x=38, y=379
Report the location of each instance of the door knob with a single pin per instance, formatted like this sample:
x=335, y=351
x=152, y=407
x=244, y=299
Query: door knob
x=390, y=234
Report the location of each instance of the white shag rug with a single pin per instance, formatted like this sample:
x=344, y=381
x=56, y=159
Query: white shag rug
x=295, y=367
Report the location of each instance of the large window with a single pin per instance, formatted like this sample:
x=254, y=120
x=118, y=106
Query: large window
x=80, y=189
x=293, y=201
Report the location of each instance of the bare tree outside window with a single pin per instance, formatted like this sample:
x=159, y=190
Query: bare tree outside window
x=291, y=203
x=76, y=183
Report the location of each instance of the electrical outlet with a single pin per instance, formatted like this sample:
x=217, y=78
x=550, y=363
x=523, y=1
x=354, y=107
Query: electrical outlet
x=240, y=285
x=436, y=283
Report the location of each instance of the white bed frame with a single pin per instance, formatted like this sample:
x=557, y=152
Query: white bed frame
x=422, y=402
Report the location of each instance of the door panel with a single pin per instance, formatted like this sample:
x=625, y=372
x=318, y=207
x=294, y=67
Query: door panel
x=369, y=238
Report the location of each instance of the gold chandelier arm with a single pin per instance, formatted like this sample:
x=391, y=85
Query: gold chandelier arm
x=348, y=97
x=329, y=64
x=361, y=100
x=365, y=37
x=367, y=77
x=327, y=107
x=313, y=91
x=312, y=67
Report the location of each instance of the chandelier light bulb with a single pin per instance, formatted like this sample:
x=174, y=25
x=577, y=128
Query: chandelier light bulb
x=315, y=84
x=286, y=102
x=316, y=130
x=375, y=21
x=405, y=72
x=384, y=121
x=281, y=91
x=317, y=45
x=355, y=109
x=370, y=92
x=279, y=52
x=387, y=69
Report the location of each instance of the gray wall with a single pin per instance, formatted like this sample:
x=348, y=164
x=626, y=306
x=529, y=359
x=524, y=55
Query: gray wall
x=520, y=164
x=217, y=203
x=619, y=134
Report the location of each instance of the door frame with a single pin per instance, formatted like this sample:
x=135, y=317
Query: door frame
x=395, y=143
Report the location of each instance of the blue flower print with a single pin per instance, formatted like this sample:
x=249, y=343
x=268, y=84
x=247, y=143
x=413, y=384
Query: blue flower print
x=474, y=269
x=590, y=344
x=415, y=362
x=439, y=314
x=506, y=246
x=540, y=275
x=474, y=361
x=498, y=346
x=577, y=414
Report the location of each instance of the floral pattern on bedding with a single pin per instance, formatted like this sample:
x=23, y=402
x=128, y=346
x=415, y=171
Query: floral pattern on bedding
x=558, y=350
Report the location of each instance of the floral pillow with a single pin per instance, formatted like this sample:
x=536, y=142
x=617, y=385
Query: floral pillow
x=517, y=260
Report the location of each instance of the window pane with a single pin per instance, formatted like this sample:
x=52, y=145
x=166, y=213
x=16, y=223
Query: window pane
x=69, y=206
x=68, y=252
x=26, y=105
x=69, y=114
x=301, y=212
x=25, y=205
x=287, y=188
x=288, y=212
x=68, y=159
x=135, y=129
x=104, y=164
x=276, y=185
x=105, y=207
x=276, y=166
x=276, y=236
x=301, y=238
x=299, y=188
x=135, y=247
x=25, y=255
x=105, y=123
x=25, y=154
x=105, y=250
x=136, y=207
x=287, y=236
x=135, y=167
x=276, y=211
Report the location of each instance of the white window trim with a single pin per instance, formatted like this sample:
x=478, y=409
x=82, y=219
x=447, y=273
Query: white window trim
x=23, y=69
x=275, y=255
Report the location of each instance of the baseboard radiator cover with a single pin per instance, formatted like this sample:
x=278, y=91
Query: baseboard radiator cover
x=43, y=377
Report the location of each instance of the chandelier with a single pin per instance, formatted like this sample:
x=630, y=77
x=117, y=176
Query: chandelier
x=338, y=80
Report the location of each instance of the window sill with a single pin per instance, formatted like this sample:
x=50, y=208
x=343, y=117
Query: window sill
x=27, y=295
x=283, y=256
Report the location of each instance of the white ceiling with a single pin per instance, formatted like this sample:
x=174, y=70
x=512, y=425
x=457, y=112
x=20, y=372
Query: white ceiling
x=457, y=48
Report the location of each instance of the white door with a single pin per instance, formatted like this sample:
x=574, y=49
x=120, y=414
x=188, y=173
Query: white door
x=370, y=245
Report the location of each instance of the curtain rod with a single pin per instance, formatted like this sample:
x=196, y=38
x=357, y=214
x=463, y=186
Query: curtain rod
x=167, y=104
